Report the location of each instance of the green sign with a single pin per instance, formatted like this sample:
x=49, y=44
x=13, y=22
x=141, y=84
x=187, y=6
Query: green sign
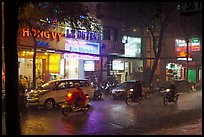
x=195, y=40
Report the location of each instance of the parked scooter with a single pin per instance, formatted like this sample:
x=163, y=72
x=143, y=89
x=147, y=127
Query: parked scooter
x=70, y=104
x=131, y=97
x=169, y=97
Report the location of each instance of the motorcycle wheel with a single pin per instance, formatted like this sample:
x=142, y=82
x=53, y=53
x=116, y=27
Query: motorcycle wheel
x=129, y=101
x=165, y=100
x=86, y=108
x=139, y=100
x=99, y=97
x=176, y=99
x=66, y=111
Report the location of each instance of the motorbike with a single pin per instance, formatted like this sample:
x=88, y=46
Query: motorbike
x=132, y=98
x=169, y=98
x=108, y=88
x=97, y=93
x=69, y=105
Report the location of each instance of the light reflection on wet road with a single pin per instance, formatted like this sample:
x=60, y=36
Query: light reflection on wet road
x=114, y=117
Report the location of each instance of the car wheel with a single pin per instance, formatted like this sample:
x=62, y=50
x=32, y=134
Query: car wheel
x=49, y=104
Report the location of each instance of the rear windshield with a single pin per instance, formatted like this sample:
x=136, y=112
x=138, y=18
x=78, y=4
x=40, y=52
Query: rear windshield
x=49, y=85
x=127, y=84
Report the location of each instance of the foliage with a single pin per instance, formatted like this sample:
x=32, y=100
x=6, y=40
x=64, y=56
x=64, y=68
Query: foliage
x=43, y=15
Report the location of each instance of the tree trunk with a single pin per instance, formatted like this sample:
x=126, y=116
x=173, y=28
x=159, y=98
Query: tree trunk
x=34, y=55
x=11, y=69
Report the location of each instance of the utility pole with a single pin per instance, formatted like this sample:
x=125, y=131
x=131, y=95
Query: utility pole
x=187, y=55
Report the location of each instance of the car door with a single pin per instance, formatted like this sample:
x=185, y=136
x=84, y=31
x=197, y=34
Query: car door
x=61, y=92
x=87, y=88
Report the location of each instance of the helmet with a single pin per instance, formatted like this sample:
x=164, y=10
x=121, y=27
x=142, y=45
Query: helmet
x=76, y=84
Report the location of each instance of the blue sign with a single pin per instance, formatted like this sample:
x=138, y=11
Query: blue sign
x=79, y=34
x=42, y=44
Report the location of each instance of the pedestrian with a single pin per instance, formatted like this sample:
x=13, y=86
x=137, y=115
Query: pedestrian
x=22, y=97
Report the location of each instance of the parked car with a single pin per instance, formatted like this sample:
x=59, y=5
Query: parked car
x=54, y=92
x=122, y=89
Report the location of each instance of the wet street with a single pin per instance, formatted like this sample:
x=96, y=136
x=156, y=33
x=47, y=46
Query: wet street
x=114, y=117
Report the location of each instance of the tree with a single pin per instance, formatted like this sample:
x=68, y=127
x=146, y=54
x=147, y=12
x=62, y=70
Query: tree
x=155, y=17
x=28, y=14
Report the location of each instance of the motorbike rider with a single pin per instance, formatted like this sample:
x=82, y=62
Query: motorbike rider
x=172, y=89
x=80, y=96
x=137, y=89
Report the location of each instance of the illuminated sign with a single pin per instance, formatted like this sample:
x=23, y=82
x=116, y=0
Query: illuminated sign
x=54, y=63
x=79, y=56
x=82, y=46
x=42, y=44
x=41, y=34
x=89, y=65
x=194, y=45
x=118, y=65
x=189, y=59
x=80, y=34
x=132, y=46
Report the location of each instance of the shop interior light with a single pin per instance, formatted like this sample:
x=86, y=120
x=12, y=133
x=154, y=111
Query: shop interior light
x=189, y=59
x=50, y=50
x=42, y=20
x=38, y=49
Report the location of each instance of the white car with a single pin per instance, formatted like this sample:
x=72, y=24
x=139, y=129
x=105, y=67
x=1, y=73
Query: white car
x=54, y=92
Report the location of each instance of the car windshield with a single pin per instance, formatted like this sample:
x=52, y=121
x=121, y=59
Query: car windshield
x=48, y=85
x=126, y=85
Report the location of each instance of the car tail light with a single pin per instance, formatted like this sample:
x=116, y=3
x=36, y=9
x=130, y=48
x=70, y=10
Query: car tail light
x=69, y=95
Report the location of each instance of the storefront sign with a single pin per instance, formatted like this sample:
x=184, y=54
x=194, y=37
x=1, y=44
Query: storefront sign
x=42, y=44
x=193, y=45
x=82, y=46
x=80, y=34
x=41, y=34
x=79, y=56
x=112, y=47
x=89, y=65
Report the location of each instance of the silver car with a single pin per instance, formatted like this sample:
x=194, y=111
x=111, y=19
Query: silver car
x=123, y=89
x=54, y=92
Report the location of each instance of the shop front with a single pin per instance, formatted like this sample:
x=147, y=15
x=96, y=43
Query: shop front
x=48, y=61
x=82, y=61
x=186, y=66
x=57, y=55
x=121, y=67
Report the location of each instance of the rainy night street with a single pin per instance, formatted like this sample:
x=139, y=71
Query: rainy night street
x=114, y=117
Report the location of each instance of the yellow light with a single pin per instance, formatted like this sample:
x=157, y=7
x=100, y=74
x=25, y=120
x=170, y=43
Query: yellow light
x=69, y=95
x=45, y=53
x=54, y=63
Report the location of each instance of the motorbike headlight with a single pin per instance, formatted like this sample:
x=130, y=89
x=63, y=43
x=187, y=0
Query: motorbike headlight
x=131, y=89
x=167, y=90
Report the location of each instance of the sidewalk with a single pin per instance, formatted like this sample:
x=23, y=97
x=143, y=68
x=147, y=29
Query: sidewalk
x=190, y=128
